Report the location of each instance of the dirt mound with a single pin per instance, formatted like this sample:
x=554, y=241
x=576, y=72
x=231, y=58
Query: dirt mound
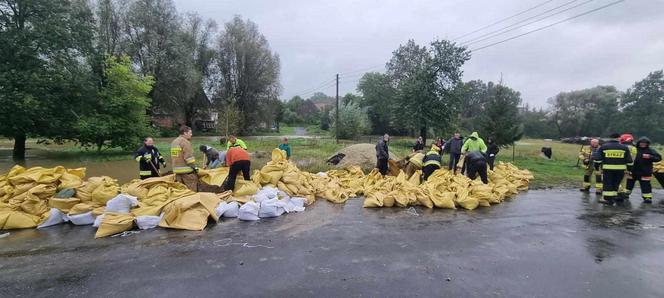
x=363, y=155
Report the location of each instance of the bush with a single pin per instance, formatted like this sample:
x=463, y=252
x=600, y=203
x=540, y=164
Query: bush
x=353, y=119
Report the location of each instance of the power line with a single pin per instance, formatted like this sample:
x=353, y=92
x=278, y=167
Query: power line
x=319, y=89
x=502, y=20
x=305, y=91
x=492, y=35
x=548, y=26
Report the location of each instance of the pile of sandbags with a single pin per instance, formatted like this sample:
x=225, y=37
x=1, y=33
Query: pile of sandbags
x=28, y=196
x=443, y=189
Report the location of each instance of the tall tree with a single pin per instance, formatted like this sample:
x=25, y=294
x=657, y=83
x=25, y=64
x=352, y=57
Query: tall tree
x=378, y=97
x=474, y=96
x=44, y=46
x=584, y=112
x=116, y=117
x=426, y=78
x=248, y=70
x=500, y=119
x=643, y=106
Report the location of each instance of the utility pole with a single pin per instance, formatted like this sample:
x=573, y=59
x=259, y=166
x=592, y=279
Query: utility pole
x=337, y=116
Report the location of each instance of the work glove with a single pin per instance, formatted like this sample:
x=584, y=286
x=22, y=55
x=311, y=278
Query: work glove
x=196, y=169
x=492, y=155
x=147, y=156
x=162, y=161
x=586, y=161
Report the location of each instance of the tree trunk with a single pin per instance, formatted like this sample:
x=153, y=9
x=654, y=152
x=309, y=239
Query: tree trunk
x=19, y=148
x=423, y=133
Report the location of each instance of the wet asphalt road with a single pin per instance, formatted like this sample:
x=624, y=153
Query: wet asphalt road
x=541, y=244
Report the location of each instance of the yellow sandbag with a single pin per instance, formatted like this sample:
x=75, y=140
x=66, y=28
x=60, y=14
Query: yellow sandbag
x=278, y=155
x=244, y=188
x=374, y=199
x=37, y=175
x=214, y=176
x=18, y=220
x=81, y=208
x=63, y=204
x=69, y=180
x=114, y=223
x=190, y=212
x=463, y=200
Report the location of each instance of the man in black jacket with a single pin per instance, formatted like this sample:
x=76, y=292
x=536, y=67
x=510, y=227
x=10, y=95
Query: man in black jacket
x=476, y=164
x=492, y=151
x=453, y=146
x=419, y=145
x=382, y=154
x=642, y=169
x=614, y=158
x=149, y=159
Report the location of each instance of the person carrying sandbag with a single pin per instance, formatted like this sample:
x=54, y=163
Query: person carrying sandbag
x=184, y=162
x=476, y=164
x=238, y=160
x=285, y=147
x=431, y=162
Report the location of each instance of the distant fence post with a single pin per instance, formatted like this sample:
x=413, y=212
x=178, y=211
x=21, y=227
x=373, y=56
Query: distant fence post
x=513, y=150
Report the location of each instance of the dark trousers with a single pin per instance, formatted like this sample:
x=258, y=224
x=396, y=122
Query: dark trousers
x=611, y=180
x=644, y=182
x=382, y=166
x=492, y=159
x=237, y=167
x=454, y=159
x=428, y=170
x=473, y=169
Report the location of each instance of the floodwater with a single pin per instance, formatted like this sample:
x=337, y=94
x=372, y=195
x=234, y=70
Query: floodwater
x=546, y=243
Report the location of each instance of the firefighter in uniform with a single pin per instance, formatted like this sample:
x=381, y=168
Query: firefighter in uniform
x=184, y=163
x=591, y=165
x=627, y=140
x=431, y=162
x=642, y=169
x=614, y=158
x=149, y=159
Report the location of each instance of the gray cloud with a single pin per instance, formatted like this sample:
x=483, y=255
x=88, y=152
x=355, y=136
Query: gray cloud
x=315, y=40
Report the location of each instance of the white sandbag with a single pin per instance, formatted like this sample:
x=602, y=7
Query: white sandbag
x=98, y=221
x=249, y=211
x=283, y=195
x=145, y=222
x=271, y=208
x=269, y=191
x=122, y=203
x=298, y=202
x=228, y=209
x=55, y=217
x=83, y=219
x=260, y=197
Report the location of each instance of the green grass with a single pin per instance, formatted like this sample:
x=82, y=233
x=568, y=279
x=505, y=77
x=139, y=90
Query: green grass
x=310, y=155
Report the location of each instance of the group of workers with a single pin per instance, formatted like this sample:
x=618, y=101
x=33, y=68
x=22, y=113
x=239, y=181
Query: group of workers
x=477, y=156
x=184, y=162
x=618, y=164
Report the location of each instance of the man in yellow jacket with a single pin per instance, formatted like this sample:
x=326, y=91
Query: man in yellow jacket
x=182, y=157
x=586, y=155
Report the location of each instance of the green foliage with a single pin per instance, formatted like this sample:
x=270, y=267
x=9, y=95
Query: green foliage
x=230, y=120
x=116, y=117
x=500, y=119
x=301, y=111
x=587, y=112
x=325, y=120
x=45, y=47
x=353, y=121
x=425, y=79
x=248, y=71
x=378, y=97
x=537, y=125
x=643, y=107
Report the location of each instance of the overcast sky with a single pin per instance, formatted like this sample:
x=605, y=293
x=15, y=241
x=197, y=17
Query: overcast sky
x=315, y=40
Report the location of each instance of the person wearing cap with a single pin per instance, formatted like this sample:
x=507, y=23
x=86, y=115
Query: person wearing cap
x=431, y=162
x=614, y=158
x=211, y=156
x=233, y=141
x=627, y=139
x=285, y=147
x=382, y=154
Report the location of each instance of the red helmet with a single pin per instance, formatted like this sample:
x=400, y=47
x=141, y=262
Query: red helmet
x=626, y=138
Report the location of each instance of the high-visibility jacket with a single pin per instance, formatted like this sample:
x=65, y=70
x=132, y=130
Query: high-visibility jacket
x=432, y=158
x=182, y=156
x=417, y=159
x=237, y=143
x=474, y=143
x=614, y=156
x=144, y=156
x=589, y=153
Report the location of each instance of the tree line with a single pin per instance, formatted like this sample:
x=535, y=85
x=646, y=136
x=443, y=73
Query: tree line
x=600, y=110
x=95, y=72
